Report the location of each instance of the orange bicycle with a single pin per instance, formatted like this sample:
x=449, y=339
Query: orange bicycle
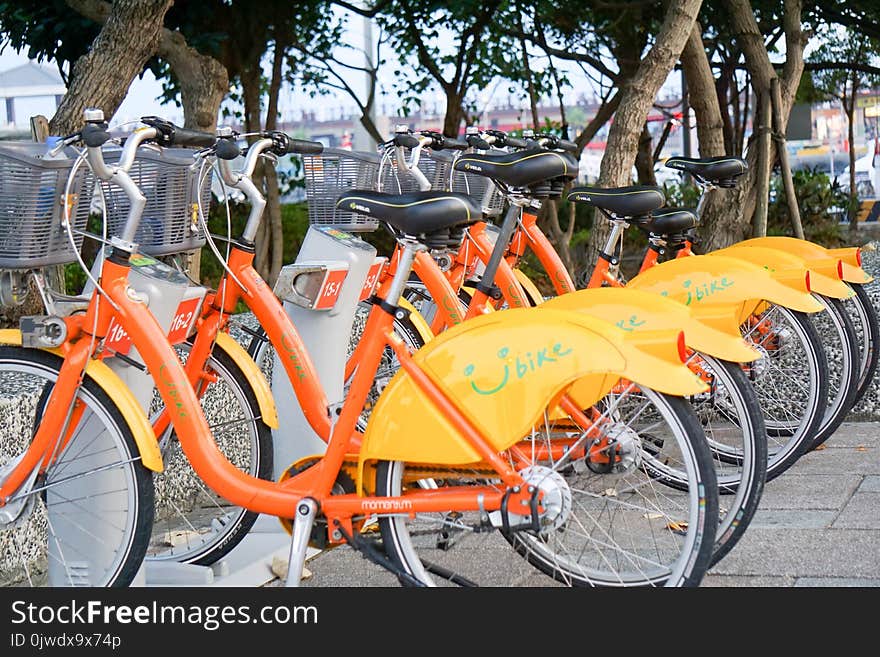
x=82, y=470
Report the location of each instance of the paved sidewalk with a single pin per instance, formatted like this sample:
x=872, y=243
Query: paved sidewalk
x=818, y=524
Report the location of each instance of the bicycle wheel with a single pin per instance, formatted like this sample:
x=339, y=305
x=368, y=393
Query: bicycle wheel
x=616, y=526
x=838, y=339
x=790, y=380
x=85, y=519
x=734, y=428
x=863, y=315
x=193, y=524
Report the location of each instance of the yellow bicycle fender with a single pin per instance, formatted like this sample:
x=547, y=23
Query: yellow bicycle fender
x=503, y=370
x=532, y=292
x=471, y=291
x=418, y=321
x=141, y=429
x=852, y=270
x=715, y=332
x=824, y=271
x=254, y=376
x=706, y=279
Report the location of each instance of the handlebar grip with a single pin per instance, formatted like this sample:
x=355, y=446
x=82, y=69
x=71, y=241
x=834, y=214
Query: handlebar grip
x=191, y=138
x=516, y=142
x=227, y=149
x=479, y=143
x=453, y=144
x=405, y=140
x=304, y=146
x=95, y=135
x=569, y=146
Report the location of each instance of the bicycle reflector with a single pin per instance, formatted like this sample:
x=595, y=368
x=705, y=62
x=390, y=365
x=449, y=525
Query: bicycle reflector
x=313, y=286
x=682, y=347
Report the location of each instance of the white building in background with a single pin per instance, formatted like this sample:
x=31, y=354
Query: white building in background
x=26, y=91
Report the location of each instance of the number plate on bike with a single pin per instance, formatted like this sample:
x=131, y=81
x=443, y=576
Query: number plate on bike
x=372, y=278
x=183, y=319
x=117, y=339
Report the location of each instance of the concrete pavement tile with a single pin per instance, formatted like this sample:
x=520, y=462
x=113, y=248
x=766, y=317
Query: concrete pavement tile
x=852, y=553
x=826, y=582
x=711, y=580
x=871, y=484
x=792, y=519
x=836, y=460
x=861, y=512
x=792, y=490
x=850, y=434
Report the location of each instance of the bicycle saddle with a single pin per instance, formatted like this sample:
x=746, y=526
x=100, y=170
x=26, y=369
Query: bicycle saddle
x=413, y=213
x=624, y=202
x=671, y=220
x=722, y=171
x=519, y=169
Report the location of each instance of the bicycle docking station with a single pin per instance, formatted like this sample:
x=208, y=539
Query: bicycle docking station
x=320, y=292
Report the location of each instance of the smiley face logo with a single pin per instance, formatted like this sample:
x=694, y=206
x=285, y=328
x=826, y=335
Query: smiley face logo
x=469, y=370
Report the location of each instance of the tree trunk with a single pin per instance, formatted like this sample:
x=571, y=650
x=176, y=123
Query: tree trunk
x=272, y=215
x=203, y=81
x=733, y=221
x=702, y=95
x=645, y=157
x=637, y=96
x=101, y=77
x=454, y=114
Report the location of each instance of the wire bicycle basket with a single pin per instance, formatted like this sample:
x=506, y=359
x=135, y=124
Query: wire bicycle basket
x=331, y=173
x=32, y=204
x=481, y=188
x=175, y=186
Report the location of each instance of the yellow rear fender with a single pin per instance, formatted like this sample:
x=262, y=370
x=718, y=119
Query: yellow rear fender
x=418, y=321
x=141, y=429
x=852, y=270
x=711, y=279
x=533, y=294
x=714, y=332
x=254, y=376
x=824, y=272
x=502, y=370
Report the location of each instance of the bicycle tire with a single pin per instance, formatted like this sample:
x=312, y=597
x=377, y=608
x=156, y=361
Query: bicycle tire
x=690, y=540
x=842, y=354
x=867, y=325
x=796, y=341
x=100, y=464
x=739, y=451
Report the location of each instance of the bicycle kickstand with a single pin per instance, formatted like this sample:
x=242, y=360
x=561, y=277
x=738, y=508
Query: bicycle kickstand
x=299, y=539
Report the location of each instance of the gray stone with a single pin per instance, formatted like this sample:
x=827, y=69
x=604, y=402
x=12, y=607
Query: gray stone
x=820, y=491
x=712, y=580
x=861, y=512
x=870, y=484
x=826, y=582
x=792, y=519
x=851, y=553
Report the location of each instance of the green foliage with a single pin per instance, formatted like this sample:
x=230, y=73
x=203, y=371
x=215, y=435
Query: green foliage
x=46, y=30
x=294, y=224
x=820, y=203
x=681, y=194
